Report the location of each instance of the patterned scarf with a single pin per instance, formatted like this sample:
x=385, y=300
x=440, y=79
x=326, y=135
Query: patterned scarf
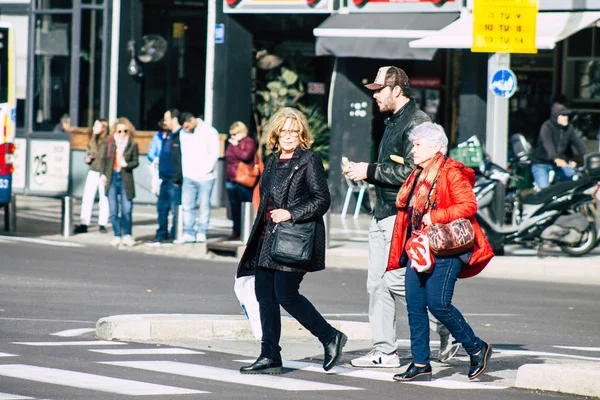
x=420, y=199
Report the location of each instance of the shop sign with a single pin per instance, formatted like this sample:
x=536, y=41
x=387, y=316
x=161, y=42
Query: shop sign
x=503, y=83
x=425, y=83
x=49, y=162
x=316, y=88
x=507, y=26
x=378, y=6
x=277, y=6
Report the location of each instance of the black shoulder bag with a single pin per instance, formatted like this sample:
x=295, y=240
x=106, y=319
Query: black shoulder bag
x=293, y=242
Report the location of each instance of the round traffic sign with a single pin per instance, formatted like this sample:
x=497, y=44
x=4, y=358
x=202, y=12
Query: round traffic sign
x=503, y=83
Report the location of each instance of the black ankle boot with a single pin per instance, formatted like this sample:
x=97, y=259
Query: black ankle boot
x=414, y=373
x=479, y=361
x=333, y=350
x=263, y=365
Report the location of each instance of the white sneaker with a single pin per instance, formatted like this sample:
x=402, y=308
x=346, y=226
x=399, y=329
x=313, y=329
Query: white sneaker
x=128, y=241
x=377, y=359
x=185, y=238
x=448, y=346
x=115, y=242
x=200, y=238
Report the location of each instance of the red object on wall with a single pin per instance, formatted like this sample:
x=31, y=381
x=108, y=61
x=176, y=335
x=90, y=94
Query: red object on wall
x=428, y=83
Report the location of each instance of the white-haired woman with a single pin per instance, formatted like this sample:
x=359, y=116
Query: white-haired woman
x=439, y=190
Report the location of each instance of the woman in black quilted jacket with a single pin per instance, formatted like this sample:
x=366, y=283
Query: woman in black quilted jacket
x=293, y=188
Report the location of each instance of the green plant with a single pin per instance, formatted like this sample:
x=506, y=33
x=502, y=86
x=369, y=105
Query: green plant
x=285, y=90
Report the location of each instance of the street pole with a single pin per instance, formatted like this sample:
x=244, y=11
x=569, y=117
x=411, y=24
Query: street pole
x=496, y=143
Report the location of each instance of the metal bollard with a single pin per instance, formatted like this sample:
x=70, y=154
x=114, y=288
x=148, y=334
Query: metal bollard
x=178, y=221
x=12, y=212
x=327, y=221
x=67, y=216
x=247, y=220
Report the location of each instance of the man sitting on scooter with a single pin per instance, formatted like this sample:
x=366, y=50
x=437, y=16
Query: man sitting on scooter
x=555, y=138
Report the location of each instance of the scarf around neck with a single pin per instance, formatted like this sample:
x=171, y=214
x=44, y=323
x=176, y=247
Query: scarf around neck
x=417, y=193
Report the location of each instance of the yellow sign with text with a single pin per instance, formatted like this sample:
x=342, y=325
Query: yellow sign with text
x=508, y=29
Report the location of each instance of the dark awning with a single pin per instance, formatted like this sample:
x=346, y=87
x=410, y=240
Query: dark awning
x=379, y=35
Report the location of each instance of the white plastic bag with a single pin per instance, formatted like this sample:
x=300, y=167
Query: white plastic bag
x=244, y=290
x=148, y=178
x=419, y=253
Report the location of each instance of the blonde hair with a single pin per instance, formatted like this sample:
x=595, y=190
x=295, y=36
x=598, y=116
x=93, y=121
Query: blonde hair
x=128, y=125
x=238, y=127
x=299, y=122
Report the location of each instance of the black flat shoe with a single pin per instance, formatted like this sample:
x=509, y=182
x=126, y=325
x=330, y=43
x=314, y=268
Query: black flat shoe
x=333, y=350
x=414, y=373
x=103, y=229
x=479, y=362
x=80, y=229
x=263, y=365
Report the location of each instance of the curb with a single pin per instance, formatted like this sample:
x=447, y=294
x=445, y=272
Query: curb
x=581, y=379
x=207, y=327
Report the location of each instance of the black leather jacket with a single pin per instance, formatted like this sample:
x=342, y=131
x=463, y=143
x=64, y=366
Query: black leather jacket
x=385, y=174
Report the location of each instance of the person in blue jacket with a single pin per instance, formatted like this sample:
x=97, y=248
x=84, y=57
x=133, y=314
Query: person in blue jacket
x=157, y=141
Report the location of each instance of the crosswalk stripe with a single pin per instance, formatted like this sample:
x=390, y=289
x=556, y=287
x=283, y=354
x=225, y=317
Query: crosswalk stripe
x=42, y=241
x=7, y=355
x=542, y=354
x=75, y=343
x=578, y=348
x=379, y=375
x=89, y=381
x=158, y=351
x=8, y=396
x=73, y=332
x=230, y=376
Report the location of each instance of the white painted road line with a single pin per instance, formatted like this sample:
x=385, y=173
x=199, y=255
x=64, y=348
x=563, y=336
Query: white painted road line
x=7, y=396
x=89, y=381
x=230, y=376
x=380, y=375
x=154, y=351
x=542, y=354
x=578, y=348
x=76, y=343
x=41, y=241
x=7, y=355
x=73, y=332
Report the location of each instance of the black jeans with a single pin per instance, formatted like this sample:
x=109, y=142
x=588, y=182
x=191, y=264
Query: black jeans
x=237, y=194
x=274, y=288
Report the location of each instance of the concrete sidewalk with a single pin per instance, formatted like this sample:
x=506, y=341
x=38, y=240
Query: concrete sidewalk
x=348, y=244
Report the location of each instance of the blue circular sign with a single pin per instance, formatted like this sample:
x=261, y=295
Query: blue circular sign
x=503, y=83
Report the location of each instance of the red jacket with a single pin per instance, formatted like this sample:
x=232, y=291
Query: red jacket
x=454, y=199
x=243, y=152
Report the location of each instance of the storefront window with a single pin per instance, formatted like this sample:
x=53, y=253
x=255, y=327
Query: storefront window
x=52, y=69
x=586, y=82
x=93, y=2
x=53, y=4
x=90, y=63
x=580, y=44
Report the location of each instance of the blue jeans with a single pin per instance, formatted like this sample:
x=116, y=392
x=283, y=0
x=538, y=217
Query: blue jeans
x=116, y=190
x=194, y=193
x=237, y=195
x=274, y=288
x=541, y=174
x=168, y=200
x=434, y=291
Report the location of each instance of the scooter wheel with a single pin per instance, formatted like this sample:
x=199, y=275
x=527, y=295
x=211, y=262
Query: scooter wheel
x=585, y=245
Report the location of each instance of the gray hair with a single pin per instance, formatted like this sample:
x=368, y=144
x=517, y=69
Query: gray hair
x=432, y=133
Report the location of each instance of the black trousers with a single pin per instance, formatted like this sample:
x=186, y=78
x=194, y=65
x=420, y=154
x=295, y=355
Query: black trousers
x=274, y=288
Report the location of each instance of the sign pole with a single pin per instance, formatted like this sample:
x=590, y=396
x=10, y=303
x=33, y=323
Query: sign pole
x=497, y=114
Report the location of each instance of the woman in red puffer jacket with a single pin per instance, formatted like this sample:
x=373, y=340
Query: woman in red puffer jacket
x=439, y=191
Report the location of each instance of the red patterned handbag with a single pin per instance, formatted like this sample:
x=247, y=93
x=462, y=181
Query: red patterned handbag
x=451, y=239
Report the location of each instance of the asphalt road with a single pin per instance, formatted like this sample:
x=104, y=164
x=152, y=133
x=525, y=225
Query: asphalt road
x=46, y=289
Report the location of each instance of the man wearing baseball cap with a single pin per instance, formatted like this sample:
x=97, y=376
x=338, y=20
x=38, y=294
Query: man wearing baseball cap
x=391, y=91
